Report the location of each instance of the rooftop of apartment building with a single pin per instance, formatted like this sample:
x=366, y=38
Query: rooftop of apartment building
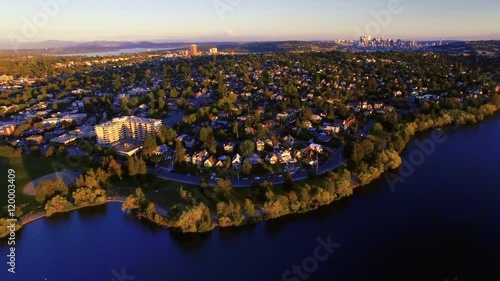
x=132, y=119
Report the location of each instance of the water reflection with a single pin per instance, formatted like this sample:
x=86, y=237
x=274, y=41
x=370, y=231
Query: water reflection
x=93, y=212
x=59, y=218
x=229, y=233
x=190, y=242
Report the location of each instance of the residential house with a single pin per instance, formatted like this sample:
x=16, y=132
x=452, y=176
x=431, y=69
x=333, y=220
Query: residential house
x=285, y=156
x=269, y=124
x=260, y=145
x=198, y=158
x=280, y=116
x=7, y=130
x=272, y=158
x=190, y=142
x=162, y=150
x=236, y=162
x=388, y=108
x=228, y=147
x=269, y=142
x=316, y=118
x=254, y=159
x=297, y=154
x=250, y=130
x=37, y=139
x=289, y=140
x=349, y=121
x=209, y=163
x=316, y=147
x=331, y=128
x=260, y=110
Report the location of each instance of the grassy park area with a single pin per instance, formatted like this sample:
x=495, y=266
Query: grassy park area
x=27, y=169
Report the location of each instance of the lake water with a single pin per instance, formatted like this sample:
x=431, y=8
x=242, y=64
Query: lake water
x=442, y=222
x=117, y=52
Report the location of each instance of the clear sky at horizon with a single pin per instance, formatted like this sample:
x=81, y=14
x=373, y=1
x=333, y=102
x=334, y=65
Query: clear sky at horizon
x=246, y=20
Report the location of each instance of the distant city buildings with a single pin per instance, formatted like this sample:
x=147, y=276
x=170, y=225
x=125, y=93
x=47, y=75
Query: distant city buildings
x=193, y=50
x=126, y=127
x=213, y=51
x=368, y=41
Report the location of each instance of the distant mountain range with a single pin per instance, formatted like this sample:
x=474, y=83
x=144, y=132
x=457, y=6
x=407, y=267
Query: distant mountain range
x=67, y=47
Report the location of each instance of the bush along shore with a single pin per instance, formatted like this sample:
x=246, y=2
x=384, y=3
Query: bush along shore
x=368, y=159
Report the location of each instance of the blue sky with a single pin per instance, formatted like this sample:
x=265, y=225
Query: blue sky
x=243, y=20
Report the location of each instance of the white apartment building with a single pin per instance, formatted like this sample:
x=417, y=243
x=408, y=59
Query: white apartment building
x=126, y=127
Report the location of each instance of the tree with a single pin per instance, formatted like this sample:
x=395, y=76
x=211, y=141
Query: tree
x=161, y=104
x=246, y=168
x=137, y=200
x=87, y=196
x=57, y=204
x=377, y=129
x=261, y=131
x=235, y=129
x=307, y=113
x=205, y=134
x=160, y=93
x=136, y=166
x=247, y=148
x=211, y=144
x=101, y=177
x=288, y=184
x=87, y=181
x=49, y=188
x=167, y=134
x=50, y=152
x=174, y=93
x=180, y=153
x=225, y=184
x=149, y=146
x=20, y=129
x=342, y=110
x=191, y=218
x=115, y=168
x=249, y=207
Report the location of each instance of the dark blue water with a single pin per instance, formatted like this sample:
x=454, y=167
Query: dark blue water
x=442, y=222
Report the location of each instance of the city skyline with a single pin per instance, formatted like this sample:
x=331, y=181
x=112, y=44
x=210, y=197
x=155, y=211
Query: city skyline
x=222, y=20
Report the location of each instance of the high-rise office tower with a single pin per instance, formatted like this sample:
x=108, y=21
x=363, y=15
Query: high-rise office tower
x=193, y=50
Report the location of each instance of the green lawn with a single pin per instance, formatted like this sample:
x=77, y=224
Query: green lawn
x=162, y=192
x=28, y=168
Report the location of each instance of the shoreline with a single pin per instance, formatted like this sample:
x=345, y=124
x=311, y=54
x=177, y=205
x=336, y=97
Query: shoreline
x=43, y=215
